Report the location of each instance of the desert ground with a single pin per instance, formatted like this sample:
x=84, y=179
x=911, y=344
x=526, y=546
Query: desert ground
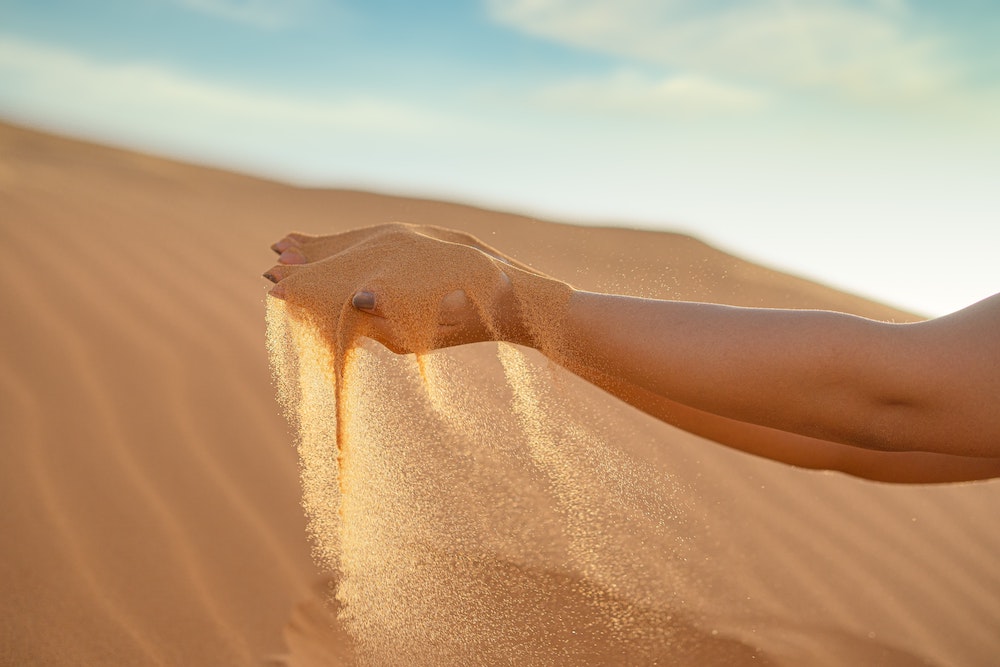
x=150, y=489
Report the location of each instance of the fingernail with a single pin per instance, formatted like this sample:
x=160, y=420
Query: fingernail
x=364, y=301
x=291, y=256
x=270, y=277
x=278, y=291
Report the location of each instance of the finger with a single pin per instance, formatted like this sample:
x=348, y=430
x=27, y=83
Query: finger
x=278, y=291
x=282, y=245
x=320, y=247
x=464, y=238
x=454, y=309
x=280, y=272
x=292, y=240
x=292, y=256
x=316, y=248
x=377, y=327
x=366, y=302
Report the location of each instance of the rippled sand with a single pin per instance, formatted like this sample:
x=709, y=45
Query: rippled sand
x=151, y=488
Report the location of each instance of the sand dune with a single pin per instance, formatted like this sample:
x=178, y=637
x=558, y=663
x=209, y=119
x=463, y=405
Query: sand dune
x=150, y=489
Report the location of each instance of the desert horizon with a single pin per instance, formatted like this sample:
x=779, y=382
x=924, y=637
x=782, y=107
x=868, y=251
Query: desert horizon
x=153, y=493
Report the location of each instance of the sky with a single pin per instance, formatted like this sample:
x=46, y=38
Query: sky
x=854, y=142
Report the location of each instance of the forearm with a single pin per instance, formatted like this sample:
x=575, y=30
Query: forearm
x=795, y=449
x=813, y=373
x=805, y=452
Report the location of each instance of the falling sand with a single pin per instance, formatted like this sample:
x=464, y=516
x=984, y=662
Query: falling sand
x=466, y=506
x=503, y=529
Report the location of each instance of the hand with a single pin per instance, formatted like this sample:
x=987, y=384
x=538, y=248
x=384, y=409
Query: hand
x=412, y=288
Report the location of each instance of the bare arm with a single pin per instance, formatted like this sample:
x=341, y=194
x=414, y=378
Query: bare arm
x=799, y=450
x=929, y=387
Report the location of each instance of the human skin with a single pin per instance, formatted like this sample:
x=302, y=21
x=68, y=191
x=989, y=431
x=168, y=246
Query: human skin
x=816, y=389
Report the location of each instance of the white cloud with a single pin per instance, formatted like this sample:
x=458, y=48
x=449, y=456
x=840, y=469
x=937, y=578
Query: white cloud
x=58, y=80
x=303, y=136
x=628, y=92
x=268, y=14
x=856, y=50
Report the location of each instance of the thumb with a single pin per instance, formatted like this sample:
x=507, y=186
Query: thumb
x=364, y=301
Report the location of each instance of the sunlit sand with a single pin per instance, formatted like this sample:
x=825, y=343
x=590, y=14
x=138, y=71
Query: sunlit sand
x=160, y=507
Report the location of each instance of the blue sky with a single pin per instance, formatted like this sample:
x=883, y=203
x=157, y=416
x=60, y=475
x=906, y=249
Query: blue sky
x=853, y=141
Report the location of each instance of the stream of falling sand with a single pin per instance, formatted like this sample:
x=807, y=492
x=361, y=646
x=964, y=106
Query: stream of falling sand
x=468, y=511
x=469, y=520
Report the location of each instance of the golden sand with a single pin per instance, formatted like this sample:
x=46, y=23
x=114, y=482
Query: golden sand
x=503, y=532
x=471, y=504
x=510, y=531
x=151, y=499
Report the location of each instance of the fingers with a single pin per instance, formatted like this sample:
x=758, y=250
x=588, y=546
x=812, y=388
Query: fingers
x=454, y=311
x=276, y=274
x=279, y=272
x=459, y=321
x=464, y=238
x=460, y=317
x=298, y=248
x=293, y=240
x=290, y=249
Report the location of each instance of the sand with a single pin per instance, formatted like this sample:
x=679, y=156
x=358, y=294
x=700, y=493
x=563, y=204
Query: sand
x=151, y=488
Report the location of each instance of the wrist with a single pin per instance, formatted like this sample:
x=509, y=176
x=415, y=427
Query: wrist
x=533, y=310
x=511, y=325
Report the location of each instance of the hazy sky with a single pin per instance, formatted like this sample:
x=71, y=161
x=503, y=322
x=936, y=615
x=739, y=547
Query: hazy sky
x=852, y=141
